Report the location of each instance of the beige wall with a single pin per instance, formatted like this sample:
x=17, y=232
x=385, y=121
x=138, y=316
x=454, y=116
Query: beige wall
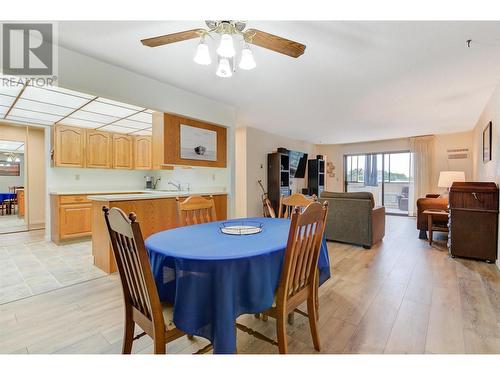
x=240, y=153
x=12, y=133
x=35, y=162
x=335, y=154
x=489, y=171
x=442, y=142
x=252, y=147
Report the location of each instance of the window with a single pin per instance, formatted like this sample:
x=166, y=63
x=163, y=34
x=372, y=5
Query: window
x=397, y=167
x=355, y=165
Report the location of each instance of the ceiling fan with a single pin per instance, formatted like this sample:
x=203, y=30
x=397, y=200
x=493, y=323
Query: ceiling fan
x=226, y=52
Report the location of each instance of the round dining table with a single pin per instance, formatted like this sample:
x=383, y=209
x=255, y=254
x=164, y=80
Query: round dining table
x=212, y=277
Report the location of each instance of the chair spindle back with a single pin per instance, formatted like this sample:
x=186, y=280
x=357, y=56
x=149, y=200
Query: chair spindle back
x=195, y=210
x=288, y=204
x=139, y=288
x=302, y=251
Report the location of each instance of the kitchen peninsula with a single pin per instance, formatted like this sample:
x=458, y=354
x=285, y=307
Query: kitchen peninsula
x=156, y=211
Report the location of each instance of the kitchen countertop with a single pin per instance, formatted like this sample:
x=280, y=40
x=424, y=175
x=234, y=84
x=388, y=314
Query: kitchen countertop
x=96, y=191
x=152, y=194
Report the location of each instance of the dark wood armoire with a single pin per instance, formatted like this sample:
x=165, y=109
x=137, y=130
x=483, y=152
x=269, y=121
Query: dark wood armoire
x=474, y=220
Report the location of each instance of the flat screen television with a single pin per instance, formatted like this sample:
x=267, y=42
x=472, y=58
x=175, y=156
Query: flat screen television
x=298, y=161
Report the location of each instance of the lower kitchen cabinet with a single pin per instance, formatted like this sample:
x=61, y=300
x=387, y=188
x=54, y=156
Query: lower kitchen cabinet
x=71, y=217
x=75, y=220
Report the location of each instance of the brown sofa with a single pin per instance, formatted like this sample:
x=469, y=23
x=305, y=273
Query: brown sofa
x=353, y=218
x=430, y=202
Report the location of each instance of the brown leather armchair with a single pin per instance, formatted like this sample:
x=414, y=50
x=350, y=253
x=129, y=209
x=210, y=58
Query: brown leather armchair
x=430, y=202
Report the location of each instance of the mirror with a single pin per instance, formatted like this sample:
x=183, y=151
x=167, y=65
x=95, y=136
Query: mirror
x=12, y=210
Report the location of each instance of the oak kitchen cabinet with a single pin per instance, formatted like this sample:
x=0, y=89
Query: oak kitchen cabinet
x=142, y=152
x=89, y=148
x=71, y=217
x=69, y=146
x=123, y=151
x=98, y=149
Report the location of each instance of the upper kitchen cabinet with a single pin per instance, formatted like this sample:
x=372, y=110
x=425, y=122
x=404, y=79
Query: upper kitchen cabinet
x=182, y=141
x=142, y=152
x=90, y=148
x=98, y=149
x=68, y=146
x=123, y=151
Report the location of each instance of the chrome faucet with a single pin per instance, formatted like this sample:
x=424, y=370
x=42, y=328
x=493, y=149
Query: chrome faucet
x=155, y=182
x=177, y=186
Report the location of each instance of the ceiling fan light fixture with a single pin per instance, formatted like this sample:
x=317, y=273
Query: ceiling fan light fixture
x=202, y=56
x=224, y=68
x=247, y=61
x=228, y=32
x=226, y=46
x=17, y=159
x=10, y=159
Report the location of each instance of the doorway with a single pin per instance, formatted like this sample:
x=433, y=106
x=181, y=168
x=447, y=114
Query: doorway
x=12, y=182
x=22, y=178
x=386, y=175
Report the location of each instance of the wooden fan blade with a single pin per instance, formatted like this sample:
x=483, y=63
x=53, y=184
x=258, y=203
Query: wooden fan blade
x=171, y=38
x=274, y=43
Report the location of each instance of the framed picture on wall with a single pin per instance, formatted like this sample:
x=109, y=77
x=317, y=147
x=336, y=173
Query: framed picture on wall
x=7, y=169
x=487, y=135
x=197, y=143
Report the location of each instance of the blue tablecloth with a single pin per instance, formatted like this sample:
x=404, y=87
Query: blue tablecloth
x=212, y=278
x=4, y=196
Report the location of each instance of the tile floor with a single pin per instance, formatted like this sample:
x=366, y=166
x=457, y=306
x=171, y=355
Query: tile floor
x=31, y=268
x=11, y=224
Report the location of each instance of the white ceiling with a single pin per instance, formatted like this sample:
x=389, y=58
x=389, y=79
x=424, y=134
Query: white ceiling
x=47, y=106
x=357, y=81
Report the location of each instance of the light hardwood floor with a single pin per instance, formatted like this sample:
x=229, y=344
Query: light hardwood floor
x=402, y=296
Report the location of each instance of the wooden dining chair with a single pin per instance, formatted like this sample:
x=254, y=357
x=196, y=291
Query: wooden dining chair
x=299, y=275
x=142, y=303
x=10, y=204
x=195, y=210
x=288, y=204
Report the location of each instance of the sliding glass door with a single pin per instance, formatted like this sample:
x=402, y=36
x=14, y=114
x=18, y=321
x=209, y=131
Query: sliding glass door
x=359, y=175
x=385, y=175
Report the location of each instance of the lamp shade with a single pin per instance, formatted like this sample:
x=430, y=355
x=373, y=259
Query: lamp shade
x=224, y=69
x=202, y=56
x=226, y=47
x=447, y=178
x=247, y=61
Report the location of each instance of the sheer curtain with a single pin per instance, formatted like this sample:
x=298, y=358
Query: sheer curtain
x=421, y=169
